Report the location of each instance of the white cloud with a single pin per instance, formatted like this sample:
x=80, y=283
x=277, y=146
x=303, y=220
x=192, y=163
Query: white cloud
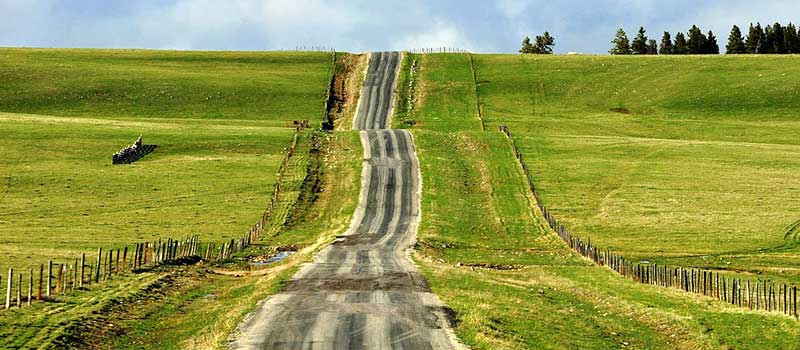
x=275, y=23
x=356, y=25
x=512, y=8
x=437, y=35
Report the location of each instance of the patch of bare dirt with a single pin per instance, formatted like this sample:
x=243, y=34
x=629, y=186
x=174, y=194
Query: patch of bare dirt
x=99, y=329
x=390, y=281
x=345, y=88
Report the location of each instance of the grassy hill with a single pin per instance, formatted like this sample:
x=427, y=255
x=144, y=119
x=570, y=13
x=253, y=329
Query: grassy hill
x=262, y=86
x=512, y=284
x=690, y=160
x=221, y=120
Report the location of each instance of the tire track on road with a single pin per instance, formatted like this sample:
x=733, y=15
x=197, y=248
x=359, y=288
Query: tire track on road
x=363, y=291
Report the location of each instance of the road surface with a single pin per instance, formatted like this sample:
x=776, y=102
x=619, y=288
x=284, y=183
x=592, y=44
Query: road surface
x=377, y=92
x=363, y=291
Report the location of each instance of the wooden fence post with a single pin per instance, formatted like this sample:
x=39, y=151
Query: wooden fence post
x=74, y=276
x=136, y=254
x=749, y=296
x=99, y=261
x=8, y=289
x=758, y=293
x=785, y=299
x=110, y=268
x=30, y=286
x=58, y=279
x=769, y=297
x=124, y=258
x=19, y=291
x=64, y=278
x=41, y=277
x=83, y=269
x=49, y=278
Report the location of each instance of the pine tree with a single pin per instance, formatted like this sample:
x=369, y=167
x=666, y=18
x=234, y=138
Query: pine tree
x=527, y=47
x=735, y=42
x=754, y=38
x=666, y=44
x=712, y=47
x=697, y=41
x=621, y=44
x=768, y=40
x=680, y=45
x=544, y=44
x=792, y=39
x=639, y=44
x=778, y=40
x=652, y=47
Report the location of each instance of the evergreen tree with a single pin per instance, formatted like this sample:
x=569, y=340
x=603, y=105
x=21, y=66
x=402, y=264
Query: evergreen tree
x=621, y=44
x=680, y=45
x=768, y=40
x=544, y=44
x=792, y=39
x=712, y=47
x=652, y=47
x=666, y=44
x=527, y=47
x=778, y=39
x=697, y=41
x=735, y=42
x=639, y=44
x=754, y=37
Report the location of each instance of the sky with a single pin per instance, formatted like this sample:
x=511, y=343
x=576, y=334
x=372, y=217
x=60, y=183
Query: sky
x=367, y=25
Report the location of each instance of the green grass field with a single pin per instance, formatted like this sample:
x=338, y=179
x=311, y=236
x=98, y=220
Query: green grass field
x=512, y=283
x=212, y=175
x=268, y=87
x=699, y=166
x=220, y=119
x=690, y=161
x=193, y=320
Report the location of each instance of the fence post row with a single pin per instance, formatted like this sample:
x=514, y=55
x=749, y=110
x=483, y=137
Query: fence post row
x=765, y=295
x=142, y=254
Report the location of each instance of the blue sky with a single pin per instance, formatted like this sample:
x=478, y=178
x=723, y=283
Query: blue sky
x=362, y=25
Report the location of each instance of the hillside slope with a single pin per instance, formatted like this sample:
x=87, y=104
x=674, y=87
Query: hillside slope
x=221, y=119
x=512, y=283
x=691, y=161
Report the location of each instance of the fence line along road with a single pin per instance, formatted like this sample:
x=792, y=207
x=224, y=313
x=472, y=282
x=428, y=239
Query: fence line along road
x=755, y=295
x=57, y=280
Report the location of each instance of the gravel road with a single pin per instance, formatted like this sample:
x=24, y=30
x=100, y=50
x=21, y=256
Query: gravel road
x=363, y=291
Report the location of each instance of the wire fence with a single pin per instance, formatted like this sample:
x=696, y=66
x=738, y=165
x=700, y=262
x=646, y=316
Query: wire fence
x=57, y=280
x=755, y=295
x=442, y=49
x=312, y=48
x=61, y=279
x=478, y=104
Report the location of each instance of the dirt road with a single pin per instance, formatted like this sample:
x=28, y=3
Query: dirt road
x=363, y=291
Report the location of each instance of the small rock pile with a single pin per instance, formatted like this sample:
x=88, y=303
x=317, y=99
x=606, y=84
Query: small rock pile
x=132, y=153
